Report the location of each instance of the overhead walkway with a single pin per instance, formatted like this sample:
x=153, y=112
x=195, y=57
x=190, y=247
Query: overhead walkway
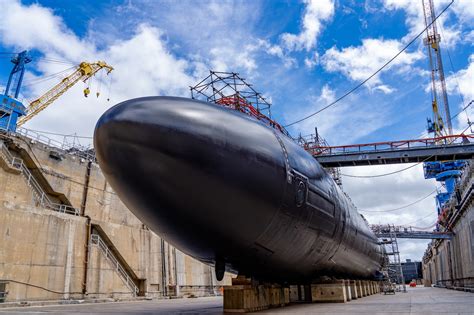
x=455, y=147
x=389, y=231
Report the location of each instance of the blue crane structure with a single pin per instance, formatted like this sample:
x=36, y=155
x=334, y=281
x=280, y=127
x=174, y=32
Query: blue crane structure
x=10, y=107
x=13, y=113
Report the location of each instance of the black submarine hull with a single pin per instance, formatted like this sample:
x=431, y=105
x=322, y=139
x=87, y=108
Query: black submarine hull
x=232, y=192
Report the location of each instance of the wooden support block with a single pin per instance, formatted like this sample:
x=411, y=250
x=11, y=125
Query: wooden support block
x=360, y=288
x=333, y=291
x=366, y=288
x=348, y=290
x=279, y=296
x=363, y=288
x=294, y=293
x=243, y=298
x=353, y=284
x=377, y=287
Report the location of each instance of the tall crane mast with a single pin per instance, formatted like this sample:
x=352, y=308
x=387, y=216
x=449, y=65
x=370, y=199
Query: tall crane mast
x=437, y=73
x=83, y=72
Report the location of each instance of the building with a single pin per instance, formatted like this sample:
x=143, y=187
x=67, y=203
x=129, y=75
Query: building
x=411, y=270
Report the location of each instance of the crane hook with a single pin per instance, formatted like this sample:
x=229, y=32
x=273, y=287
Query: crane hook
x=87, y=91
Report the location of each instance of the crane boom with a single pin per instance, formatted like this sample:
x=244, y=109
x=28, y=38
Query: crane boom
x=437, y=73
x=83, y=72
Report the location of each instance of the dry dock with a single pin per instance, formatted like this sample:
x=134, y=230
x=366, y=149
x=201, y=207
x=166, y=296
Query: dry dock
x=418, y=300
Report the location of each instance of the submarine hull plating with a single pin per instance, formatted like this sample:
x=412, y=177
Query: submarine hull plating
x=231, y=191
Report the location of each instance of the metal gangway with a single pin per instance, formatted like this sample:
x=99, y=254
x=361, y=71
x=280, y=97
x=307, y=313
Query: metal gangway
x=452, y=147
x=387, y=230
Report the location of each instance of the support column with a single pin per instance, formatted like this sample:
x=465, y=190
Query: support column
x=329, y=291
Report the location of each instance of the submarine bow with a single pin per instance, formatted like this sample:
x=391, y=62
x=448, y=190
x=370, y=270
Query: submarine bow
x=231, y=191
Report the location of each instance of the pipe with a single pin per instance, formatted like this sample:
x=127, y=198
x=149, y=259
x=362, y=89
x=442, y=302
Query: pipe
x=87, y=253
x=86, y=187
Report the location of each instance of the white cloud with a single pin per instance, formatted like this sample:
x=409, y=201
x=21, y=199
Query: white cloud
x=465, y=11
x=33, y=26
x=391, y=192
x=358, y=63
x=450, y=34
x=143, y=66
x=385, y=88
x=341, y=124
x=316, y=12
x=462, y=83
x=311, y=62
x=275, y=50
x=217, y=33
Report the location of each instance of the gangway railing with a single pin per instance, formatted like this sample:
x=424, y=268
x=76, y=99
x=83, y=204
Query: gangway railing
x=85, y=152
x=389, y=230
x=39, y=194
x=392, y=145
x=97, y=241
x=391, y=152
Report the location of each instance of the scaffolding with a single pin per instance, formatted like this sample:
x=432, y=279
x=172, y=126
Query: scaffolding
x=229, y=90
x=311, y=141
x=392, y=270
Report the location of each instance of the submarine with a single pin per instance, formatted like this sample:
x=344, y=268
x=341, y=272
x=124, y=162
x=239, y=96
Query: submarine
x=232, y=192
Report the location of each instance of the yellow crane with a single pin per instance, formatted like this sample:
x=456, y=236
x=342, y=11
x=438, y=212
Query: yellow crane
x=83, y=72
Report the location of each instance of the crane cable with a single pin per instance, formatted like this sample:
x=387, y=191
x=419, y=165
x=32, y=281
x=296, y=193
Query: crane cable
x=372, y=75
x=48, y=77
x=418, y=220
x=405, y=206
x=457, y=81
x=386, y=174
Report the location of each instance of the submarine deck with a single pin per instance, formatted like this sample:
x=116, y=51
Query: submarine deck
x=419, y=300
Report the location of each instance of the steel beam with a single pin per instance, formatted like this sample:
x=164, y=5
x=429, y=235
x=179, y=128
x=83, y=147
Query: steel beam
x=396, y=156
x=418, y=235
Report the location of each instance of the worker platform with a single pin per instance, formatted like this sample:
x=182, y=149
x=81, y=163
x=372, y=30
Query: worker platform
x=453, y=147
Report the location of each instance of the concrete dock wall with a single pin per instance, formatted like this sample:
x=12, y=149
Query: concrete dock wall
x=450, y=263
x=45, y=254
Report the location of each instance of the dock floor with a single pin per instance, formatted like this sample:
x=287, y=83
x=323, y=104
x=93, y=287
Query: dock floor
x=418, y=300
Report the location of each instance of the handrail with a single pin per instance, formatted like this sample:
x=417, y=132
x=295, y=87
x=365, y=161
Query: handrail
x=389, y=145
x=68, y=148
x=97, y=240
x=38, y=192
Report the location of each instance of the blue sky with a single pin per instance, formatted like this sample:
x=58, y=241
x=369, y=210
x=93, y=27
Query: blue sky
x=301, y=55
